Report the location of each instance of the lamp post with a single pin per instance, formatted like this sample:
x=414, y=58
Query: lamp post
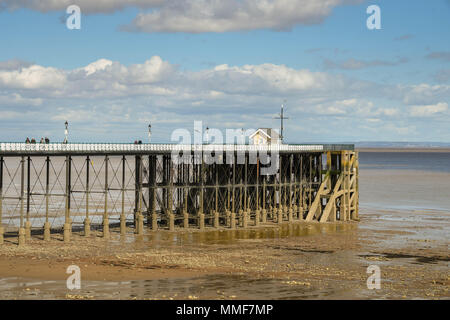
x=207, y=135
x=149, y=133
x=66, y=132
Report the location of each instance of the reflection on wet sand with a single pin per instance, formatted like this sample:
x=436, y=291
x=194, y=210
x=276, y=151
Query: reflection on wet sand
x=229, y=236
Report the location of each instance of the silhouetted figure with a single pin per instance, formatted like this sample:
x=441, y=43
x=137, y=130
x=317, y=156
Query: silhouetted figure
x=135, y=142
x=33, y=140
x=28, y=140
x=42, y=141
x=47, y=140
x=140, y=142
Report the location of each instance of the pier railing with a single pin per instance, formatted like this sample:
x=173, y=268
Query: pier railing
x=31, y=148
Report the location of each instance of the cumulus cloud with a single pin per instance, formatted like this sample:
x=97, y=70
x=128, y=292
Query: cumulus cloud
x=98, y=65
x=32, y=77
x=197, y=16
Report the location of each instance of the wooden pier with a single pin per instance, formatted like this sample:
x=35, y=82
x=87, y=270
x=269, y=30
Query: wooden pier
x=50, y=188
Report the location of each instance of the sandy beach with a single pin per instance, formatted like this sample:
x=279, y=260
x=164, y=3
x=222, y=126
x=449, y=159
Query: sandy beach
x=299, y=261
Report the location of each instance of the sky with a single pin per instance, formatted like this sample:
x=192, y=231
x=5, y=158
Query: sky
x=230, y=64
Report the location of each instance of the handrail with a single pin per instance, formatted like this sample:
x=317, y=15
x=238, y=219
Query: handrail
x=14, y=147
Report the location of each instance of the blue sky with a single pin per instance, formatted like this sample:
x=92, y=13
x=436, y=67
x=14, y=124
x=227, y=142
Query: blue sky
x=187, y=60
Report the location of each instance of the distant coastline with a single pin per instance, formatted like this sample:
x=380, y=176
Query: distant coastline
x=403, y=149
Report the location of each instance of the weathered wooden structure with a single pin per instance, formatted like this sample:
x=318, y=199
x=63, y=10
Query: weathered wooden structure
x=58, y=187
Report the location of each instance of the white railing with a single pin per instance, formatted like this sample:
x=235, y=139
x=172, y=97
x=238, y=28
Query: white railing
x=12, y=147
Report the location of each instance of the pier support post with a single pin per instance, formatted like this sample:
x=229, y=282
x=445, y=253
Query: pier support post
x=47, y=231
x=21, y=236
x=123, y=224
x=170, y=215
x=106, y=233
x=152, y=179
x=227, y=218
x=139, y=218
x=66, y=232
x=105, y=212
x=216, y=219
x=257, y=217
x=27, y=230
x=154, y=221
x=87, y=227
x=67, y=226
x=87, y=221
x=245, y=219
x=185, y=220
x=201, y=221
x=28, y=223
x=264, y=216
x=240, y=218
x=123, y=219
x=185, y=207
x=171, y=222
x=140, y=224
x=22, y=186
x=233, y=220
x=290, y=214
x=47, y=200
x=280, y=214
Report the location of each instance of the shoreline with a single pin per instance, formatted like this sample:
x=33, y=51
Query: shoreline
x=319, y=260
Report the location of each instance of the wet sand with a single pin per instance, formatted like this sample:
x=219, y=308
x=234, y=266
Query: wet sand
x=299, y=261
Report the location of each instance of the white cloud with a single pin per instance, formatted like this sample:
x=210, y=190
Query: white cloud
x=429, y=110
x=93, y=67
x=32, y=77
x=197, y=16
x=153, y=70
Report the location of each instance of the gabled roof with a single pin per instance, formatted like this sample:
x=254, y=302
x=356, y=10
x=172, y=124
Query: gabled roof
x=268, y=132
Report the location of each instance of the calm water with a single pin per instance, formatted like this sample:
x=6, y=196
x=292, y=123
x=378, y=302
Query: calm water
x=424, y=161
x=405, y=180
